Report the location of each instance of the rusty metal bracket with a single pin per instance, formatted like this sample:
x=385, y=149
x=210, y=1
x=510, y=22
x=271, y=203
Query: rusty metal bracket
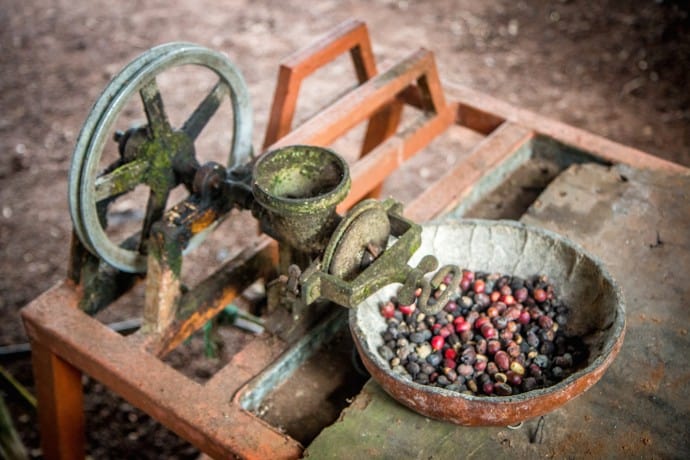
x=390, y=267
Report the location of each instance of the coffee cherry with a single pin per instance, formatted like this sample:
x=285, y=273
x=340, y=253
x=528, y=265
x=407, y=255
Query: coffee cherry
x=479, y=285
x=437, y=342
x=500, y=335
x=462, y=326
x=407, y=309
x=508, y=299
x=492, y=346
x=514, y=379
x=517, y=368
x=502, y=360
x=521, y=295
x=503, y=389
x=465, y=370
x=388, y=310
x=488, y=388
x=539, y=295
x=488, y=331
x=481, y=321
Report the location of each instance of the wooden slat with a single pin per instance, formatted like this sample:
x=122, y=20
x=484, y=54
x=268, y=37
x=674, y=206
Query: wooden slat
x=360, y=104
x=374, y=168
x=478, y=111
x=457, y=183
x=201, y=304
x=350, y=36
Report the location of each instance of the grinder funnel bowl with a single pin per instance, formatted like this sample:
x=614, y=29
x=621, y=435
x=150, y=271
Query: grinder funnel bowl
x=299, y=188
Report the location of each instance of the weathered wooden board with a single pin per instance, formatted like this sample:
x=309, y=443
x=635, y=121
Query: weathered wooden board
x=638, y=223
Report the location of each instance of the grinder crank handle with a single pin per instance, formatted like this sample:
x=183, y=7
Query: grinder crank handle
x=415, y=280
x=390, y=267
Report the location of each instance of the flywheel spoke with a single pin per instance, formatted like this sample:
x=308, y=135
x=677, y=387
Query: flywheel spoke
x=155, y=111
x=154, y=212
x=206, y=109
x=121, y=180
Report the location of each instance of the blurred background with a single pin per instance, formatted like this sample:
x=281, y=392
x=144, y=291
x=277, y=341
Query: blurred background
x=616, y=68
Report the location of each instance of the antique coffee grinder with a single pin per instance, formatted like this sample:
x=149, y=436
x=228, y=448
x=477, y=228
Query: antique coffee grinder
x=292, y=191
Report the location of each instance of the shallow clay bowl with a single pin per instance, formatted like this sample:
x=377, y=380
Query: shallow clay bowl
x=597, y=314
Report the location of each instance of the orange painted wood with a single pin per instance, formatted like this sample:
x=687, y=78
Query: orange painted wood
x=457, y=183
x=349, y=36
x=383, y=125
x=61, y=405
x=352, y=36
x=198, y=306
x=245, y=365
x=361, y=103
x=208, y=420
x=369, y=172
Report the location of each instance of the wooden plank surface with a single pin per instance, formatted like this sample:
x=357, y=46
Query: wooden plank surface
x=638, y=223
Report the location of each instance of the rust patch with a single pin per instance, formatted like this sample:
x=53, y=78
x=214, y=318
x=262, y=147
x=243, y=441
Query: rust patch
x=206, y=219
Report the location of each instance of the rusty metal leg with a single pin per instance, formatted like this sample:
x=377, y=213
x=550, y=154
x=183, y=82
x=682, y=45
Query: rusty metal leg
x=60, y=405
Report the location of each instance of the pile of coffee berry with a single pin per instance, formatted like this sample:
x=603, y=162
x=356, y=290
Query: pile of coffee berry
x=497, y=336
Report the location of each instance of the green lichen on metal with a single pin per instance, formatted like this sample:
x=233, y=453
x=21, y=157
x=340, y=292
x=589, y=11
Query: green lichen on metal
x=162, y=154
x=123, y=179
x=166, y=248
x=301, y=179
x=299, y=187
x=389, y=267
x=159, y=175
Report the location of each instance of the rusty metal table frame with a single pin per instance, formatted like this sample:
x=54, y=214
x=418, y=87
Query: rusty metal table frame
x=67, y=342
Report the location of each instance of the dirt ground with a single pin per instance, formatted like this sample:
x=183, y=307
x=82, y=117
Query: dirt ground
x=618, y=69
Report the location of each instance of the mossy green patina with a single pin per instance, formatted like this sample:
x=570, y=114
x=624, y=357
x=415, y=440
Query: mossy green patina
x=299, y=187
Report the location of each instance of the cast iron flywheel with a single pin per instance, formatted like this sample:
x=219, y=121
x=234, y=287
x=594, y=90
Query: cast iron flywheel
x=156, y=155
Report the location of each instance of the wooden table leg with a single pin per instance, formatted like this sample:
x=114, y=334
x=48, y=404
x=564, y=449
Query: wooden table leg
x=60, y=405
